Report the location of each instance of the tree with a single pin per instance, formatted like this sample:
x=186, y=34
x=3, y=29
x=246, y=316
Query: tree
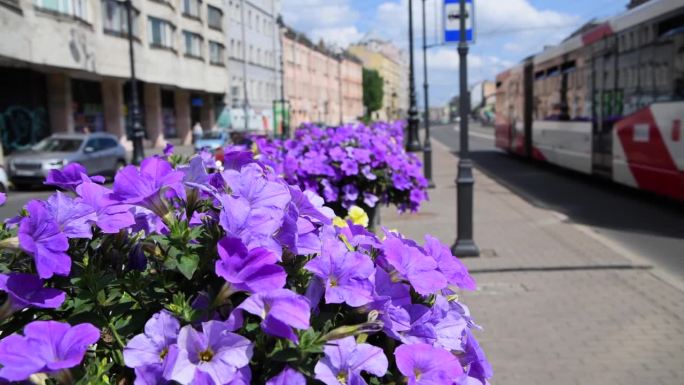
x=372, y=91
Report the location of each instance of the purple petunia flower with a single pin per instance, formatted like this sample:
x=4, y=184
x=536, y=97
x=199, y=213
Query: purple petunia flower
x=168, y=149
x=455, y=272
x=212, y=356
x=26, y=290
x=145, y=187
x=346, y=275
x=345, y=360
x=423, y=364
x=40, y=236
x=474, y=359
x=147, y=352
x=253, y=271
x=69, y=177
x=46, y=346
x=3, y=198
x=281, y=310
x=110, y=215
x=351, y=193
x=369, y=199
x=420, y=269
x=349, y=167
x=288, y=376
x=254, y=209
x=73, y=217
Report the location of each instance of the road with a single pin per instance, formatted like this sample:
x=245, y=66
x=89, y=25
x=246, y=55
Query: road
x=644, y=224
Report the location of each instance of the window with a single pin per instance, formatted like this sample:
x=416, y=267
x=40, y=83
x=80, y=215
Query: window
x=256, y=24
x=216, y=53
x=193, y=44
x=215, y=17
x=74, y=8
x=115, y=18
x=161, y=33
x=192, y=8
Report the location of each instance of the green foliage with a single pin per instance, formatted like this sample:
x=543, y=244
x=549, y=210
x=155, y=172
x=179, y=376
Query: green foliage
x=372, y=91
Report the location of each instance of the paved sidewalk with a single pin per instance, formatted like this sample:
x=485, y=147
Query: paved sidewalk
x=559, y=305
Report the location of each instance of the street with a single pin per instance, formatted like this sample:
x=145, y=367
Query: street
x=647, y=225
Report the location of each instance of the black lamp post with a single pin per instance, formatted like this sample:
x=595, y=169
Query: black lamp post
x=427, y=147
x=413, y=144
x=137, y=132
x=464, y=245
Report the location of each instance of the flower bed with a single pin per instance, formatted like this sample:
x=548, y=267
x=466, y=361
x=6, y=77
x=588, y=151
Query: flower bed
x=350, y=165
x=177, y=275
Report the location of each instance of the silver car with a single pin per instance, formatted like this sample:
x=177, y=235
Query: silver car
x=99, y=153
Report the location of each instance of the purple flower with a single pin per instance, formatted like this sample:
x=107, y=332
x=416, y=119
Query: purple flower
x=288, y=376
x=73, y=217
x=345, y=274
x=370, y=199
x=349, y=167
x=362, y=155
x=3, y=198
x=475, y=360
x=455, y=272
x=145, y=187
x=26, y=290
x=423, y=364
x=367, y=171
x=253, y=271
x=110, y=215
x=255, y=207
x=281, y=310
x=40, y=236
x=420, y=269
x=168, y=149
x=46, y=346
x=147, y=352
x=213, y=356
x=69, y=177
x=345, y=359
x=351, y=193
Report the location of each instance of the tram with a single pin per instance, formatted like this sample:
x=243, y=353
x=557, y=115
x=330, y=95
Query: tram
x=607, y=101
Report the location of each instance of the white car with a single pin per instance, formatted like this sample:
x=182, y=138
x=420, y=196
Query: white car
x=4, y=182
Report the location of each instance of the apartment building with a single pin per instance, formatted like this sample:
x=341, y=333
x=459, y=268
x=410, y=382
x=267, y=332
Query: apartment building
x=64, y=67
x=253, y=40
x=321, y=85
x=392, y=65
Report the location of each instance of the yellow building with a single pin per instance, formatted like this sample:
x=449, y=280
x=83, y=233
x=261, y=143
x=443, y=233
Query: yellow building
x=377, y=55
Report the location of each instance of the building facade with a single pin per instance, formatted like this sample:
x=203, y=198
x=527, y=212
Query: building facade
x=321, y=85
x=66, y=67
x=253, y=38
x=391, y=64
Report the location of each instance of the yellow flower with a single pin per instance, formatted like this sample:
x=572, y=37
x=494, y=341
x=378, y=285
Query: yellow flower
x=358, y=216
x=339, y=222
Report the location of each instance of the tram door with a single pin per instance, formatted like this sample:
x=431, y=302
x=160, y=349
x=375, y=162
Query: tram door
x=606, y=99
x=528, y=98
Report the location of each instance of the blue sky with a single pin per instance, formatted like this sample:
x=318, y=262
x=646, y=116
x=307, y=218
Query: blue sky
x=507, y=31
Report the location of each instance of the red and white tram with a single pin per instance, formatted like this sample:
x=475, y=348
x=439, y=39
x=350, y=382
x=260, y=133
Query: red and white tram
x=608, y=101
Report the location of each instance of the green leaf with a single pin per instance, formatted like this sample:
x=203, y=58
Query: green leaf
x=188, y=264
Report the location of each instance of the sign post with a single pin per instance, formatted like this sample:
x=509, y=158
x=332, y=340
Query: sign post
x=461, y=12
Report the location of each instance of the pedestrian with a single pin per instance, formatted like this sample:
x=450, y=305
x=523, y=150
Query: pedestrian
x=196, y=132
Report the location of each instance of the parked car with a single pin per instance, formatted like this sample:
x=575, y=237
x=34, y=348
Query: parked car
x=99, y=153
x=212, y=140
x=4, y=182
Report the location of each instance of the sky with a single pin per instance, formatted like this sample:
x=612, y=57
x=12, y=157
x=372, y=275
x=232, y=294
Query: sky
x=506, y=31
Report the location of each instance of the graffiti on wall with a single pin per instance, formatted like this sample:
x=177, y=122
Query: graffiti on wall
x=22, y=127
x=80, y=50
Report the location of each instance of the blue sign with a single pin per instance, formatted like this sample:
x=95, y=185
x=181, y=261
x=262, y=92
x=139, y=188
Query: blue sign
x=452, y=21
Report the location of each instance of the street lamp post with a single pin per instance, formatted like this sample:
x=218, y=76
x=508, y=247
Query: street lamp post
x=137, y=131
x=464, y=245
x=413, y=144
x=427, y=147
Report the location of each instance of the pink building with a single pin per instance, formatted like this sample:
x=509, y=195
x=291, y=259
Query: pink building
x=321, y=86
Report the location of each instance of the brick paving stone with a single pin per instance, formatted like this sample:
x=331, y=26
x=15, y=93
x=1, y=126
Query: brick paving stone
x=555, y=326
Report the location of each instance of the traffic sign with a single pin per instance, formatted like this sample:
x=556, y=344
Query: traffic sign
x=452, y=21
